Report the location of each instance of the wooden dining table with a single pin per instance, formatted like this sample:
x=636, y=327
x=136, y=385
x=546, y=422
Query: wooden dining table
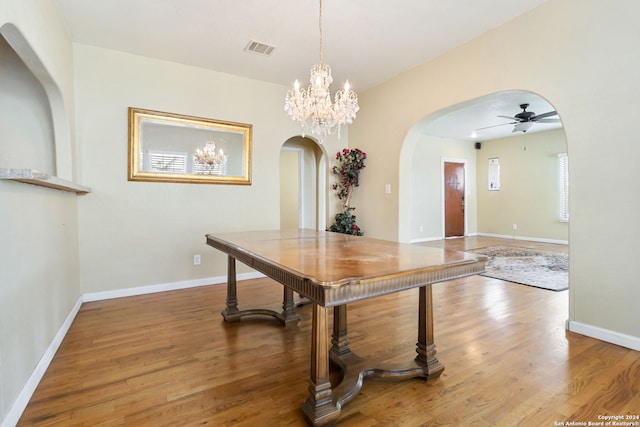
x=333, y=270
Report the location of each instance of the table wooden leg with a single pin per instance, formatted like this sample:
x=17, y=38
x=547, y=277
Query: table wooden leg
x=319, y=409
x=233, y=314
x=340, y=339
x=289, y=314
x=426, y=347
x=230, y=313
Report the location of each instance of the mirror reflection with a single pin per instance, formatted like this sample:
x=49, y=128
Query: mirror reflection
x=175, y=148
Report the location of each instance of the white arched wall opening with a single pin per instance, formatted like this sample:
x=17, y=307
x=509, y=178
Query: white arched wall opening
x=420, y=207
x=311, y=188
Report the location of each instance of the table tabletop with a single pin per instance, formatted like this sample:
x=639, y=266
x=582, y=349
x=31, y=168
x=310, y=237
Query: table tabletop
x=332, y=268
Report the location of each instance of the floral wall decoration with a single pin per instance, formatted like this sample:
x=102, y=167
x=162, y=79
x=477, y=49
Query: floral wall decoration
x=348, y=167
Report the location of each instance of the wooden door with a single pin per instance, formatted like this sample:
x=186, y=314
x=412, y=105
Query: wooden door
x=453, y=199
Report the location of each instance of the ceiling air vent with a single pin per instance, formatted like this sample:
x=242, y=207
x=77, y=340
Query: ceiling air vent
x=259, y=48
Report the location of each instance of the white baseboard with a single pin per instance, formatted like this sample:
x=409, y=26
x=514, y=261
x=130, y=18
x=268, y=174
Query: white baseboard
x=500, y=236
x=425, y=239
x=14, y=414
x=601, y=334
x=29, y=388
x=172, y=286
x=531, y=239
x=433, y=239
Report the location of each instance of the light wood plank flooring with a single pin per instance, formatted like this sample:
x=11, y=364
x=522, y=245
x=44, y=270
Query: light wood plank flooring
x=168, y=359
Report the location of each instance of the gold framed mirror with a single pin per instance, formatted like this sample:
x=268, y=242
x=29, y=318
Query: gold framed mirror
x=168, y=147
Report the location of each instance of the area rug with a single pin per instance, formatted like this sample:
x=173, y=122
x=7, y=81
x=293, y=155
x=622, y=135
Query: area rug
x=532, y=267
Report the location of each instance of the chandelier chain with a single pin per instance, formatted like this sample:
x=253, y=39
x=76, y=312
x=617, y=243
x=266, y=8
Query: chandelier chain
x=320, y=26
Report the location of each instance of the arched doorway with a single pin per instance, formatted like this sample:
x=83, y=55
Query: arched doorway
x=302, y=184
x=447, y=134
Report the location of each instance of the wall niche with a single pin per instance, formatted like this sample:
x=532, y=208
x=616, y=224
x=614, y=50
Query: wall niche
x=31, y=145
x=26, y=126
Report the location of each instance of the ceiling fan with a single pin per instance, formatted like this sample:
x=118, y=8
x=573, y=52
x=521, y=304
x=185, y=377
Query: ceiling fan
x=524, y=120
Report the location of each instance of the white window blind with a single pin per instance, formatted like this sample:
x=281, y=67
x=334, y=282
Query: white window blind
x=168, y=162
x=563, y=180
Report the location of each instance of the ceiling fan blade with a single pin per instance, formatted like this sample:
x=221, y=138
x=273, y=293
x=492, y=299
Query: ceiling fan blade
x=501, y=124
x=548, y=121
x=510, y=118
x=543, y=115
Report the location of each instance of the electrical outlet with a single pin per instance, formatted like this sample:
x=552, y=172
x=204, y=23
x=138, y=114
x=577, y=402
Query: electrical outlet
x=515, y=226
x=196, y=259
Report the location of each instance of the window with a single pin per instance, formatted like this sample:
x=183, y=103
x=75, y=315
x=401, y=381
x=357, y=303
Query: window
x=494, y=174
x=563, y=180
x=167, y=162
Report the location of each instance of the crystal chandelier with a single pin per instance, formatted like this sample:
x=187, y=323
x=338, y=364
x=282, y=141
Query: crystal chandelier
x=312, y=107
x=213, y=161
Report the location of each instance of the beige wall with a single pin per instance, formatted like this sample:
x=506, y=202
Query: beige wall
x=529, y=193
x=529, y=198
x=425, y=190
x=584, y=60
x=135, y=234
x=39, y=280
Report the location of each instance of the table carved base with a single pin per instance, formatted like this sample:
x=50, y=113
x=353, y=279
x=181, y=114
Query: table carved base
x=333, y=360
x=323, y=406
x=233, y=314
x=332, y=270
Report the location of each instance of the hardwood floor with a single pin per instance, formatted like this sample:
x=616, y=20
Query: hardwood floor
x=168, y=359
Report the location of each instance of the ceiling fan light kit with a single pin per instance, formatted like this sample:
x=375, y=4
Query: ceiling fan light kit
x=522, y=127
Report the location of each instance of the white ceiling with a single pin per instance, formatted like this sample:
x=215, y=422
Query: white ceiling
x=458, y=121
x=364, y=41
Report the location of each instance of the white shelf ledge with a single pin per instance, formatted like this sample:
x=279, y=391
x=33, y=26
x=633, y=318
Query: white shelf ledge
x=35, y=177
